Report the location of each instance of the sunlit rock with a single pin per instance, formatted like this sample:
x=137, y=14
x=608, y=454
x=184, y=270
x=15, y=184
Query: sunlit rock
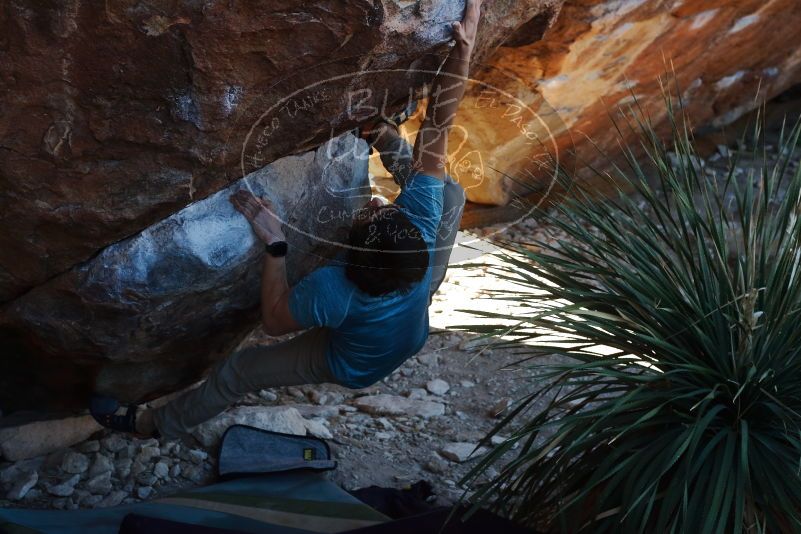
x=558, y=93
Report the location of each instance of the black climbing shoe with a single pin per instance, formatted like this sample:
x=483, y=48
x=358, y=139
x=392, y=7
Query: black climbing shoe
x=104, y=410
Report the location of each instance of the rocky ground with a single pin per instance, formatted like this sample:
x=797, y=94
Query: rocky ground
x=423, y=422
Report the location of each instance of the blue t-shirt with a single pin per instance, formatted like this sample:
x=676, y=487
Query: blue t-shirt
x=372, y=336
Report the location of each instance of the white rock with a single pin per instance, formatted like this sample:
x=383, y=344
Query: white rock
x=467, y=344
x=65, y=489
x=101, y=484
x=417, y=394
x=430, y=359
x=318, y=428
x=384, y=404
x=467, y=384
x=296, y=392
x=437, y=466
x=150, y=442
x=498, y=440
x=461, y=451
x=144, y=492
x=275, y=418
x=268, y=395
x=437, y=386
x=146, y=479
x=43, y=437
x=319, y=397
x=123, y=468
x=385, y=423
x=161, y=470
x=22, y=486
x=101, y=465
x=74, y=462
x=147, y=453
x=175, y=471
x=197, y=456
x=114, y=442
x=193, y=473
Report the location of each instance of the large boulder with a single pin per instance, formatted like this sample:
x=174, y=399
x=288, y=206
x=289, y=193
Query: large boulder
x=149, y=314
x=557, y=93
x=125, y=127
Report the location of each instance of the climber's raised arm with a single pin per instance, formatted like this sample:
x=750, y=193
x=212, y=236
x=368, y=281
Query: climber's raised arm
x=275, y=314
x=431, y=146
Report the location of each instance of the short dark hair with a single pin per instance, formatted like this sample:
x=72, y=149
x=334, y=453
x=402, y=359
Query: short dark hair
x=387, y=251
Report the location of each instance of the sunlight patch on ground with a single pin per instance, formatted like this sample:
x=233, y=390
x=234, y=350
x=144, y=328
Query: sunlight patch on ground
x=467, y=286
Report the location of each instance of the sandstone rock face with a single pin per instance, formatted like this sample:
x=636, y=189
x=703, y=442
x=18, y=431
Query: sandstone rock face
x=150, y=313
x=727, y=57
x=124, y=128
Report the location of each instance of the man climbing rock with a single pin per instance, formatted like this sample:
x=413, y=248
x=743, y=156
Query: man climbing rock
x=361, y=318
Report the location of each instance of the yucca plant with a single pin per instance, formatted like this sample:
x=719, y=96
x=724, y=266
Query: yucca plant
x=690, y=420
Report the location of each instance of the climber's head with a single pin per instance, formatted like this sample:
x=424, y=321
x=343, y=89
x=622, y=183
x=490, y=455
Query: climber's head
x=387, y=251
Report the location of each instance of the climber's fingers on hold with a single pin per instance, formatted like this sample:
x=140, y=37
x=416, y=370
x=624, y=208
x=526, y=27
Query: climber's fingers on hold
x=245, y=204
x=458, y=31
x=241, y=209
x=249, y=201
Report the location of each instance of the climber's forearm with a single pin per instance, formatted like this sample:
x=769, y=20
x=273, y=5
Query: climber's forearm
x=431, y=145
x=448, y=88
x=275, y=315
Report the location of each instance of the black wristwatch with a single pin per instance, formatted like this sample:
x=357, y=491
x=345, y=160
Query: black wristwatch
x=277, y=249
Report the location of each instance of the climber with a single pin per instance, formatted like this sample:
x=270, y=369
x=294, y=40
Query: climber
x=365, y=316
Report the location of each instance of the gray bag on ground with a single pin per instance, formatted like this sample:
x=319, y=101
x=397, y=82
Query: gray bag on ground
x=246, y=450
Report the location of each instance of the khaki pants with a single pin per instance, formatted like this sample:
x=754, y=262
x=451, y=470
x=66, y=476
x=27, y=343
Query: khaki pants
x=302, y=359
